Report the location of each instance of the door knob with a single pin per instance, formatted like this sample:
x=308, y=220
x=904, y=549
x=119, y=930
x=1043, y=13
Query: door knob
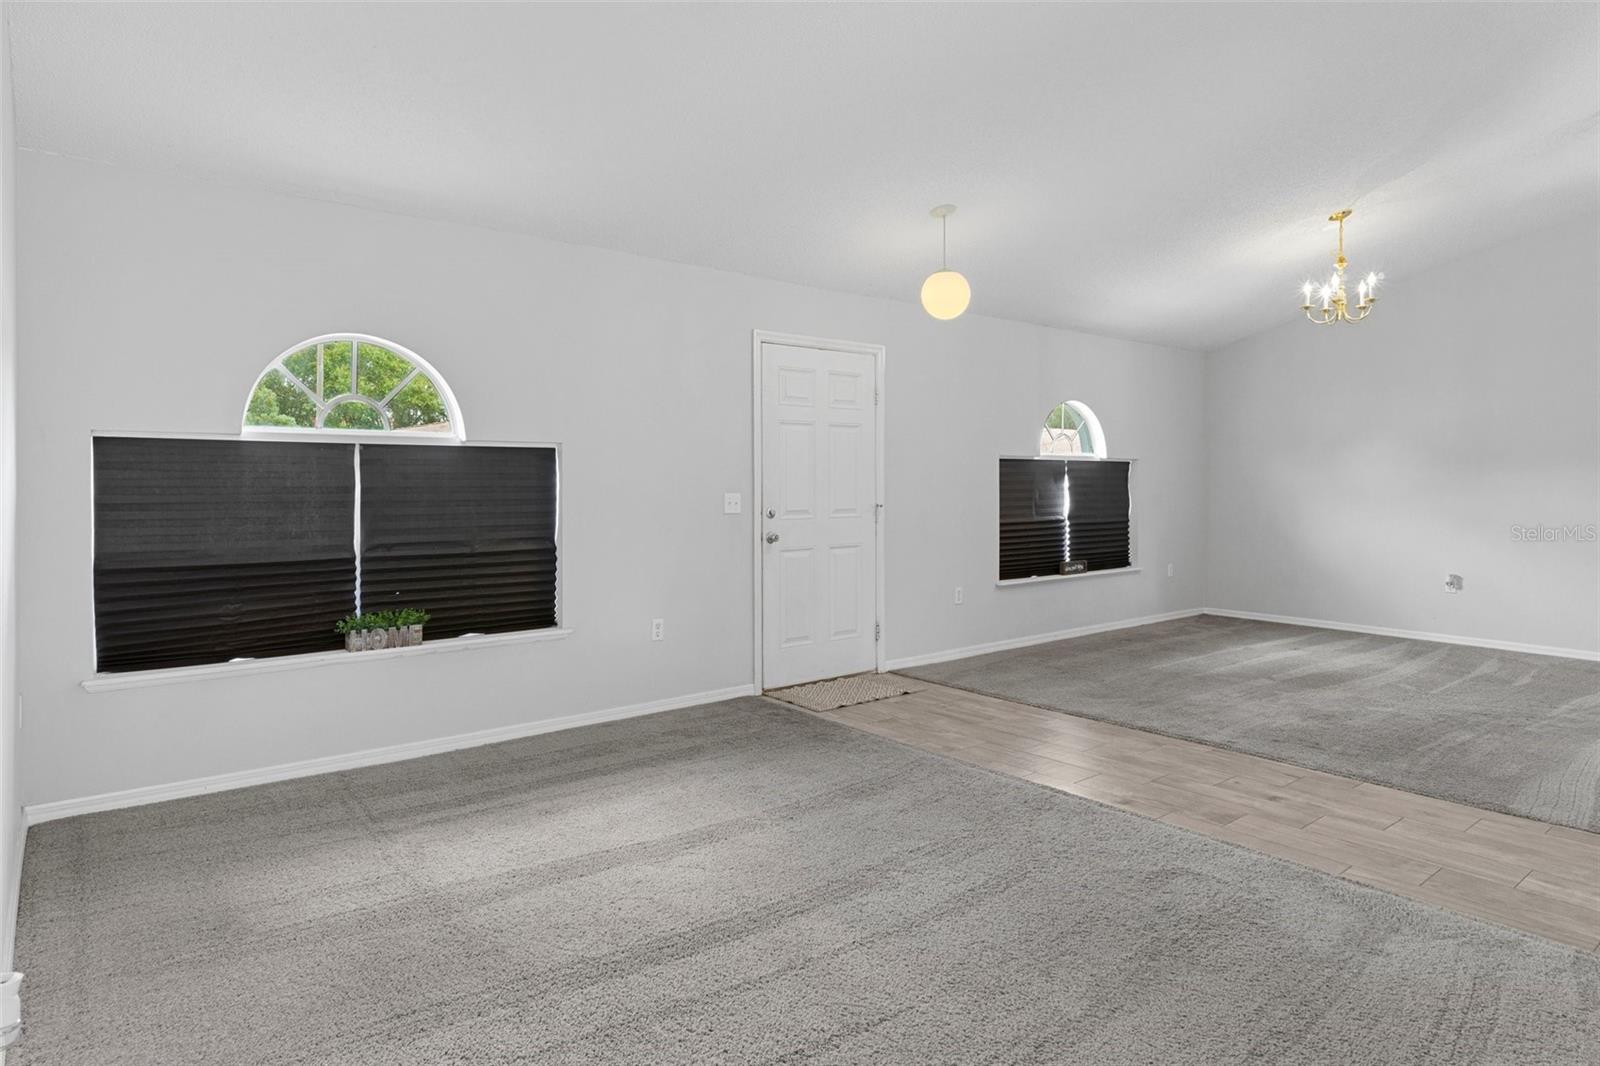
x=772, y=538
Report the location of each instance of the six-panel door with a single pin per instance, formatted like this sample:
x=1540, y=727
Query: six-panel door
x=817, y=514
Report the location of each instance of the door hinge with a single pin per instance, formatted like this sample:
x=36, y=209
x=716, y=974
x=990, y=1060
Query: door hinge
x=877, y=631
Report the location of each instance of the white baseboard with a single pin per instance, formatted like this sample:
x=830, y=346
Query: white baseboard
x=13, y=898
x=35, y=813
x=1039, y=638
x=1104, y=627
x=1409, y=634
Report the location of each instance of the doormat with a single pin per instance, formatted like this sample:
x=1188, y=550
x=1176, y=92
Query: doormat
x=844, y=691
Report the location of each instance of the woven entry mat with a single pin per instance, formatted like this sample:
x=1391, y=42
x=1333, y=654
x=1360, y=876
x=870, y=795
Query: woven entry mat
x=844, y=691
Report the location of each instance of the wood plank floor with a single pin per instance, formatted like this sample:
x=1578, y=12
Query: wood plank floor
x=1520, y=873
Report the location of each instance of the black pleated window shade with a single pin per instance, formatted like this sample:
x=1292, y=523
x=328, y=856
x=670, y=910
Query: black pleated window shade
x=467, y=534
x=209, y=550
x=1033, y=521
x=1097, y=516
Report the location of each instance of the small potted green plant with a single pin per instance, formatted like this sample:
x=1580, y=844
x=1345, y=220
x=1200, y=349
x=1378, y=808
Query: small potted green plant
x=410, y=620
x=374, y=630
x=354, y=629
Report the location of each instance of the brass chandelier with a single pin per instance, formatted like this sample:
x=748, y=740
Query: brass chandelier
x=1335, y=303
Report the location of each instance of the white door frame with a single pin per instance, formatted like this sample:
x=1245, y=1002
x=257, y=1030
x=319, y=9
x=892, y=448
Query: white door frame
x=758, y=338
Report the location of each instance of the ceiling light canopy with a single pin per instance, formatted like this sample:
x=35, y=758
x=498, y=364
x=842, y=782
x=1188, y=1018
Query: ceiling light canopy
x=1335, y=304
x=945, y=293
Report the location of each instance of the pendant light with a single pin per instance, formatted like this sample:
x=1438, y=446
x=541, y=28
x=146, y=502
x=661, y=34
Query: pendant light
x=945, y=294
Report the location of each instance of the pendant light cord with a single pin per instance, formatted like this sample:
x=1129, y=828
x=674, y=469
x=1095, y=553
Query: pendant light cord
x=944, y=242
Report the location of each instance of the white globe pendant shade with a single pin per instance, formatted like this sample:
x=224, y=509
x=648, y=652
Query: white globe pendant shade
x=946, y=294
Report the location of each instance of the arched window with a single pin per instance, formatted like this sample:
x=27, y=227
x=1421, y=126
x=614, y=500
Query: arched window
x=1072, y=429
x=349, y=381
x=1067, y=510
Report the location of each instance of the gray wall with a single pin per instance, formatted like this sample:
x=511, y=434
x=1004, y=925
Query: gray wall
x=1351, y=467
x=151, y=304
x=1346, y=469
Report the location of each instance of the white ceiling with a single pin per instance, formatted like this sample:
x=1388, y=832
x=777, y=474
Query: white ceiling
x=1148, y=171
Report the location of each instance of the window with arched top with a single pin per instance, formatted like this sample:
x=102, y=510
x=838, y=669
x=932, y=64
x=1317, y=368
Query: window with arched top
x=1072, y=429
x=350, y=381
x=1067, y=509
x=350, y=503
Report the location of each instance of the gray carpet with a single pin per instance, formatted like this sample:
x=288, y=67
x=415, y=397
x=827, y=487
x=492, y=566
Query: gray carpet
x=1499, y=730
x=738, y=883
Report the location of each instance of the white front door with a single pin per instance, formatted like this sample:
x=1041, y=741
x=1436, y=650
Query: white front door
x=818, y=513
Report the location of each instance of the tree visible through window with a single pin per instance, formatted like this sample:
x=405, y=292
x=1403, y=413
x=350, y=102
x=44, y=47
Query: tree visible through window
x=351, y=382
x=1071, y=429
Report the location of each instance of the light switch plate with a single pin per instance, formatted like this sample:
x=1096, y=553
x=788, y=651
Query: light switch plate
x=732, y=503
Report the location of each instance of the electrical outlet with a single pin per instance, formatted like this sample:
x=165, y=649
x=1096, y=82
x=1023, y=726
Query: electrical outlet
x=1169, y=569
x=961, y=595
x=658, y=628
x=732, y=503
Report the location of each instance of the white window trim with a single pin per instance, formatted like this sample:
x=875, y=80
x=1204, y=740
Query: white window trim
x=1133, y=566
x=108, y=682
x=246, y=667
x=1042, y=579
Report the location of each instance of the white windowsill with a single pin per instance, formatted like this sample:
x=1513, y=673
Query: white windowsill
x=1044, y=578
x=245, y=667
